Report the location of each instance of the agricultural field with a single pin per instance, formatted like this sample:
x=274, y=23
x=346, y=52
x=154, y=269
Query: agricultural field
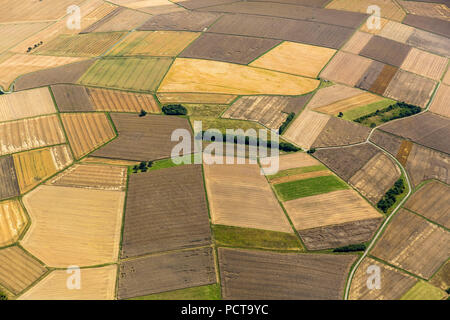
x=441, y=279
x=9, y=186
x=385, y=50
x=389, y=9
x=440, y=101
x=434, y=10
x=338, y=132
x=13, y=221
x=70, y=98
x=155, y=7
x=121, y=101
x=430, y=42
x=17, y=32
x=120, y=19
x=387, y=141
x=181, y=21
x=434, y=25
x=396, y=31
x=305, y=129
x=425, y=64
x=424, y=291
x=203, y=98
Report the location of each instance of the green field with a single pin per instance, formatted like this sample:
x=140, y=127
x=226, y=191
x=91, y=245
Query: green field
x=139, y=74
x=362, y=111
x=308, y=187
x=294, y=171
x=424, y=291
x=255, y=238
x=210, y=292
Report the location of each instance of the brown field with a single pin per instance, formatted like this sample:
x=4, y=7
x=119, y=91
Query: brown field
x=442, y=278
x=166, y=272
x=155, y=7
x=65, y=74
x=20, y=64
x=371, y=75
x=434, y=25
x=434, y=10
x=332, y=94
x=338, y=69
x=13, y=221
x=18, y=32
x=71, y=98
x=413, y=244
x=410, y=88
x=32, y=167
x=385, y=50
x=440, y=101
x=154, y=224
x=376, y=177
x=425, y=64
x=331, y=208
x=424, y=164
x=307, y=3
x=76, y=220
x=121, y=101
x=389, y=9
x=154, y=43
x=404, y=151
x=430, y=42
x=301, y=176
x=295, y=58
x=92, y=176
x=396, y=31
x=196, y=4
x=18, y=270
x=8, y=180
x=387, y=141
x=121, y=19
x=345, y=162
x=87, y=131
x=338, y=132
x=349, y=103
x=431, y=202
x=394, y=283
x=207, y=98
x=192, y=75
x=339, y=235
x=181, y=21
x=239, y=202
x=357, y=42
x=115, y=162
x=427, y=129
x=305, y=129
x=383, y=80
x=262, y=275
x=228, y=48
x=35, y=133
x=96, y=284
x=291, y=161
x=142, y=138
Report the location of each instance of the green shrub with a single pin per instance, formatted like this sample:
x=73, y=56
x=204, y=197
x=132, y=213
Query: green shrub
x=311, y=151
x=351, y=248
x=391, y=196
x=286, y=123
x=3, y=296
x=174, y=110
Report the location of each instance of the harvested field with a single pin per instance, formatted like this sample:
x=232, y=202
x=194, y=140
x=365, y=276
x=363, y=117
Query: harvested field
x=166, y=272
x=387, y=141
x=427, y=129
x=192, y=75
x=243, y=202
x=296, y=160
x=338, y=69
x=330, y=208
x=386, y=51
x=357, y=42
x=394, y=283
x=300, y=176
x=434, y=10
x=346, y=161
x=142, y=138
x=156, y=43
x=396, y=31
x=121, y=101
x=32, y=167
x=92, y=176
x=96, y=284
x=430, y=42
x=349, y=103
x=308, y=32
x=70, y=98
x=155, y=7
x=376, y=177
x=369, y=28
x=295, y=58
x=36, y=133
x=13, y=221
x=115, y=162
x=228, y=48
x=181, y=21
x=425, y=64
x=389, y=9
x=440, y=101
x=26, y=104
x=20, y=64
x=441, y=278
x=404, y=151
x=332, y=94
x=210, y=98
x=431, y=201
x=65, y=74
x=121, y=19
x=424, y=164
x=338, y=132
x=410, y=88
x=196, y=4
x=446, y=78
x=87, y=131
x=305, y=129
x=140, y=74
x=18, y=32
x=383, y=80
x=307, y=3
x=433, y=25
x=414, y=244
x=76, y=220
x=8, y=187
x=371, y=75
x=424, y=291
x=335, y=236
x=153, y=224
x=262, y=275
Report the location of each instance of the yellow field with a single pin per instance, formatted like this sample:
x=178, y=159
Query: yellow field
x=150, y=6
x=193, y=75
x=20, y=64
x=424, y=291
x=425, y=64
x=12, y=221
x=446, y=78
x=34, y=166
x=306, y=128
x=18, y=32
x=296, y=58
x=154, y=43
x=350, y=103
x=24, y=104
x=115, y=162
x=357, y=42
x=96, y=284
x=365, y=27
x=167, y=98
x=332, y=94
x=294, y=160
x=329, y=208
x=440, y=101
x=396, y=31
x=434, y=10
x=84, y=223
x=389, y=8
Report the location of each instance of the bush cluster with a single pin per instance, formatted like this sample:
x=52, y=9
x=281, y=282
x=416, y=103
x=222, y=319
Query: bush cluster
x=286, y=122
x=405, y=110
x=391, y=196
x=174, y=110
x=142, y=167
x=3, y=296
x=351, y=248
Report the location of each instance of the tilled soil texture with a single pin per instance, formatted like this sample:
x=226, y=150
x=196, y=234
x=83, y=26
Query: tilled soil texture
x=181, y=21
x=8, y=180
x=279, y=276
x=228, y=48
x=396, y=31
x=425, y=64
x=414, y=244
x=166, y=272
x=387, y=141
x=433, y=25
x=121, y=19
x=339, y=235
x=431, y=201
x=197, y=4
x=338, y=132
x=430, y=42
x=441, y=100
x=206, y=98
x=154, y=223
x=71, y=98
x=143, y=138
x=346, y=68
x=386, y=51
x=389, y=9
x=13, y=221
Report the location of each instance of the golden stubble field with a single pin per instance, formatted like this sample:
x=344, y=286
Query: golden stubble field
x=13, y=221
